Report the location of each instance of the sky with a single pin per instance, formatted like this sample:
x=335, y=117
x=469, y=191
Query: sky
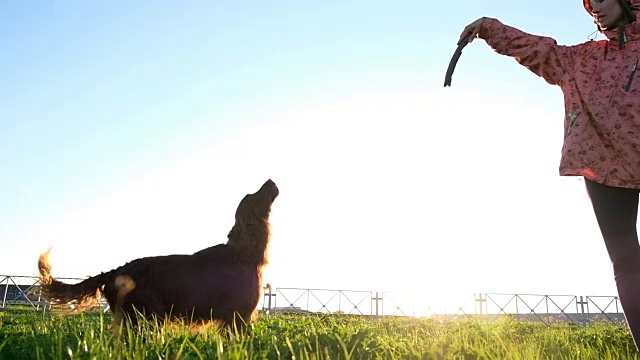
x=131, y=129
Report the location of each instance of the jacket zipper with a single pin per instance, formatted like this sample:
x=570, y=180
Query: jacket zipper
x=633, y=72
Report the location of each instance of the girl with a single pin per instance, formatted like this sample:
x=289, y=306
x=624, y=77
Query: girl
x=601, y=125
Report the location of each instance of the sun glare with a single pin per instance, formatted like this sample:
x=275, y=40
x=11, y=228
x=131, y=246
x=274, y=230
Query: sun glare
x=375, y=195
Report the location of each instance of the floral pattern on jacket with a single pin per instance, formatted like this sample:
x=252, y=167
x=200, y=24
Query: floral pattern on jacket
x=601, y=90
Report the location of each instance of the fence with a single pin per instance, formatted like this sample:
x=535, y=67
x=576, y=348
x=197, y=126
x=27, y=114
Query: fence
x=25, y=290
x=14, y=290
x=548, y=309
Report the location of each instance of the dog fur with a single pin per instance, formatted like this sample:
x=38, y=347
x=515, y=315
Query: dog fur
x=221, y=283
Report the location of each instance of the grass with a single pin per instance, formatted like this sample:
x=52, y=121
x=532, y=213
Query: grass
x=25, y=334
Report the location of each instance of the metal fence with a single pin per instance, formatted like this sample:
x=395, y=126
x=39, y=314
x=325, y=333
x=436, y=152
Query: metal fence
x=20, y=290
x=548, y=309
x=25, y=290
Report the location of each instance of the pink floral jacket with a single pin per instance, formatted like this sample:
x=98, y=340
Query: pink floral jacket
x=601, y=87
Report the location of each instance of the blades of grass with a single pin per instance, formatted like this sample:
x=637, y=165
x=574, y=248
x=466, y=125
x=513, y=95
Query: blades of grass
x=276, y=348
x=290, y=346
x=345, y=351
x=219, y=349
x=196, y=350
x=327, y=354
x=312, y=337
x=185, y=342
x=59, y=345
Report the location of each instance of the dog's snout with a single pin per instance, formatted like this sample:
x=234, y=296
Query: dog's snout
x=271, y=187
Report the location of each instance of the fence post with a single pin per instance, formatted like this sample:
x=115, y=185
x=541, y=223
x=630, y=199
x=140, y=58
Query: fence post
x=6, y=288
x=377, y=299
x=480, y=301
x=582, y=303
x=268, y=294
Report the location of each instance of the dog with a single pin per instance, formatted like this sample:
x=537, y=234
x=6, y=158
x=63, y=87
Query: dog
x=222, y=283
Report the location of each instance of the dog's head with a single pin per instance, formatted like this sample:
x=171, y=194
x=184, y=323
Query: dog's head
x=251, y=232
x=255, y=208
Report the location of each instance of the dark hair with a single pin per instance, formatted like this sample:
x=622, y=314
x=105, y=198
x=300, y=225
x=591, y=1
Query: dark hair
x=628, y=12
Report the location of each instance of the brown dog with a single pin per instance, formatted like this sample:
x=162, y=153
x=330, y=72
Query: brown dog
x=221, y=283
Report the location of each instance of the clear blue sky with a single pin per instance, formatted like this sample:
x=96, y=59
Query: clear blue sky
x=340, y=103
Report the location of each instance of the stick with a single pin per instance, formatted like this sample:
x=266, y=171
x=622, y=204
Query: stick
x=454, y=60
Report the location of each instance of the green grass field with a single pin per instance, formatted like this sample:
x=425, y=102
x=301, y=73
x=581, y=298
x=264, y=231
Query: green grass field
x=26, y=334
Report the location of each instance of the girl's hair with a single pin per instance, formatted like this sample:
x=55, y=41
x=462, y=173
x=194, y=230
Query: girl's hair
x=628, y=12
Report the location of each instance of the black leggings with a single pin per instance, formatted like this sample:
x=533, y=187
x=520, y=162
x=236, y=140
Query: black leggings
x=616, y=211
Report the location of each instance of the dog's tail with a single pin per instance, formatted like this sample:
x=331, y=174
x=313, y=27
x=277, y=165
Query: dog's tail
x=84, y=295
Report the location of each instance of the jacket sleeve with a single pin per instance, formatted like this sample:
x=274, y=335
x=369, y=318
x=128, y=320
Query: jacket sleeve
x=541, y=55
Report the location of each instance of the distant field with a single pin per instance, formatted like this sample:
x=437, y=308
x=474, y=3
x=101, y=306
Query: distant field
x=25, y=334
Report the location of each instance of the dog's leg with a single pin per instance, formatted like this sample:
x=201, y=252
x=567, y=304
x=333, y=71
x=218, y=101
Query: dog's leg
x=123, y=285
x=144, y=304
